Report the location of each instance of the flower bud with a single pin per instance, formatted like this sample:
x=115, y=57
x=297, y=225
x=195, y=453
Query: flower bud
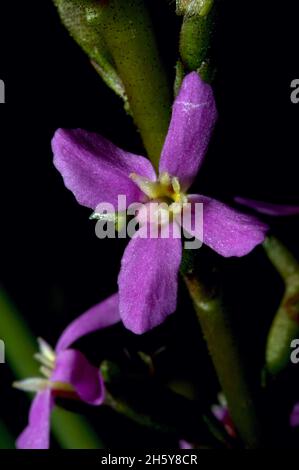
x=83, y=19
x=193, y=7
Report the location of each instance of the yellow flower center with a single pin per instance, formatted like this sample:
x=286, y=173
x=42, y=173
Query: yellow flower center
x=166, y=189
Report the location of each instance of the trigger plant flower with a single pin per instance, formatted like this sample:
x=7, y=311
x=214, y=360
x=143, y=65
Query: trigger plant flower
x=96, y=171
x=67, y=373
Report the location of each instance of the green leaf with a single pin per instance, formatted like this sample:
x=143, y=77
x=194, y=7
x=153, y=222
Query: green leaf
x=83, y=20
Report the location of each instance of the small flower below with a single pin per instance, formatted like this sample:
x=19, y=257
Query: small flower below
x=67, y=373
x=98, y=172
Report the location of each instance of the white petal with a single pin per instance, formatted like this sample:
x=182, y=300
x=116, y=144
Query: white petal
x=46, y=350
x=32, y=384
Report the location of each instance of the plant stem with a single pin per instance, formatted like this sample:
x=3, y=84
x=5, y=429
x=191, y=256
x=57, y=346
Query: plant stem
x=195, y=39
x=73, y=431
x=281, y=258
x=226, y=359
x=193, y=7
x=129, y=36
x=83, y=20
x=285, y=326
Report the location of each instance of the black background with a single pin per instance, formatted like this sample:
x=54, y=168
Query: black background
x=52, y=264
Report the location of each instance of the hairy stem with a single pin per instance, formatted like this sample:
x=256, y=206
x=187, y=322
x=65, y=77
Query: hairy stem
x=195, y=38
x=128, y=33
x=226, y=359
x=285, y=325
x=83, y=20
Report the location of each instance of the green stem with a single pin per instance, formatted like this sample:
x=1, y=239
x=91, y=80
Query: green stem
x=195, y=41
x=285, y=326
x=281, y=258
x=70, y=430
x=83, y=20
x=128, y=32
x=283, y=330
x=73, y=431
x=20, y=345
x=193, y=7
x=226, y=359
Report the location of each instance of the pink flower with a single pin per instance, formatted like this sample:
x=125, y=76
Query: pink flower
x=66, y=373
x=97, y=171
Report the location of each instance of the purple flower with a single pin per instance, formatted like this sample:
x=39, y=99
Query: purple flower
x=67, y=373
x=268, y=208
x=185, y=445
x=294, y=418
x=97, y=171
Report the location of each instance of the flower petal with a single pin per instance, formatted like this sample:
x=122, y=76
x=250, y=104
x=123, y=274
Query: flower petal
x=227, y=231
x=148, y=281
x=100, y=316
x=294, y=418
x=279, y=210
x=184, y=445
x=73, y=368
x=193, y=117
x=37, y=434
x=95, y=170
x=220, y=412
